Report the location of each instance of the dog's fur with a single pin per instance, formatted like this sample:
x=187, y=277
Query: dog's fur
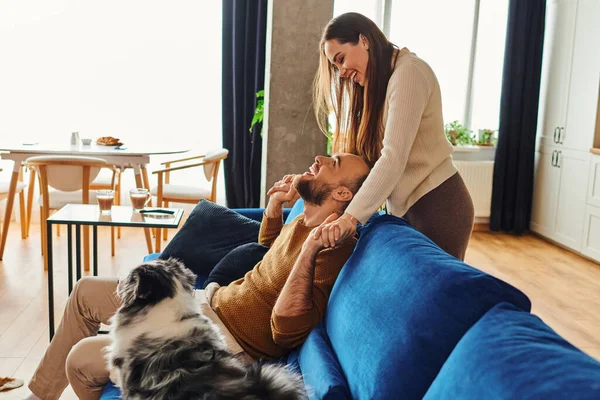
x=162, y=347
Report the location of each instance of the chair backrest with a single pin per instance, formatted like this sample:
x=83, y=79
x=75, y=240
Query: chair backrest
x=211, y=168
x=66, y=173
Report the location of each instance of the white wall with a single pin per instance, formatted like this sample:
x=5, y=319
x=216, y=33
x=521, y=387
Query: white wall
x=133, y=69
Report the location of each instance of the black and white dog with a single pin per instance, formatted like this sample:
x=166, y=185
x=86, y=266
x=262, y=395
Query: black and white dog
x=162, y=347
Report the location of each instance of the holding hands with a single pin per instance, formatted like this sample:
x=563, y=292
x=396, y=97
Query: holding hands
x=282, y=191
x=334, y=230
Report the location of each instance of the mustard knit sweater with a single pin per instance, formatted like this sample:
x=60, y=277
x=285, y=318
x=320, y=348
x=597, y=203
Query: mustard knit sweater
x=416, y=156
x=246, y=306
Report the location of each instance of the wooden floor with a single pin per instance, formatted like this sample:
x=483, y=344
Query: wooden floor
x=564, y=289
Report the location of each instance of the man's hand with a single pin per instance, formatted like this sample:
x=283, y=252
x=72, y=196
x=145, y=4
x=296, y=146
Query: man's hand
x=282, y=191
x=313, y=243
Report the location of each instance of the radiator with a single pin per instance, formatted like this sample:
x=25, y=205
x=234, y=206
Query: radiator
x=478, y=176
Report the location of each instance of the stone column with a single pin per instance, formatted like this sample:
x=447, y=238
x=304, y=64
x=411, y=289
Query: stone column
x=291, y=137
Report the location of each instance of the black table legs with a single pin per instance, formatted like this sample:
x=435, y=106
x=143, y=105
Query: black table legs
x=69, y=264
x=50, y=279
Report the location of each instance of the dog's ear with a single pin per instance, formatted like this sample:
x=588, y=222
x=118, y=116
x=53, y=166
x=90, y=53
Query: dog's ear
x=154, y=284
x=144, y=284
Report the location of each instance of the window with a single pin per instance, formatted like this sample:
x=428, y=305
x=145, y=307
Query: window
x=438, y=31
x=442, y=33
x=140, y=70
x=372, y=9
x=489, y=62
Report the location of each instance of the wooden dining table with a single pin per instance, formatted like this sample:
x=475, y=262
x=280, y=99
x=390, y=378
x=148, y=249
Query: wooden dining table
x=136, y=156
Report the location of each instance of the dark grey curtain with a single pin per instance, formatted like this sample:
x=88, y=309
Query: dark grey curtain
x=513, y=171
x=244, y=34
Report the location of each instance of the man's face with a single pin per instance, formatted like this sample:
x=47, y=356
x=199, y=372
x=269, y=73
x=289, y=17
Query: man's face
x=328, y=174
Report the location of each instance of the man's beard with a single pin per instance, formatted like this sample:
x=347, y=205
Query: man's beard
x=313, y=192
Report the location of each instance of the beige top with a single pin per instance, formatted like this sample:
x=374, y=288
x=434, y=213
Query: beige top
x=416, y=156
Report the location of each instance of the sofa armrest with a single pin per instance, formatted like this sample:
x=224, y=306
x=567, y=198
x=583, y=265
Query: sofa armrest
x=257, y=213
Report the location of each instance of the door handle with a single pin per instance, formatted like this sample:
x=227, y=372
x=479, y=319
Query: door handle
x=553, y=163
x=555, y=135
x=558, y=153
x=560, y=135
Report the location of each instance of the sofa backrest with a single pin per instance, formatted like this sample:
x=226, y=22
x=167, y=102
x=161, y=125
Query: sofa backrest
x=399, y=307
x=297, y=209
x=512, y=354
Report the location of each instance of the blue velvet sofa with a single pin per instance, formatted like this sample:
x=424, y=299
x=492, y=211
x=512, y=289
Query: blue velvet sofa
x=405, y=320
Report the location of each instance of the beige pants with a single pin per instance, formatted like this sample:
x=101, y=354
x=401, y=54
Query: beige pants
x=75, y=354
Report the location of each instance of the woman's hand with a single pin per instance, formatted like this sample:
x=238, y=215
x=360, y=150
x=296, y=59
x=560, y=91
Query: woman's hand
x=313, y=243
x=334, y=231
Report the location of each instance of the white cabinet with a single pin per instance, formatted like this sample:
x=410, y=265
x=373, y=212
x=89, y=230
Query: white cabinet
x=567, y=114
x=585, y=78
x=570, y=74
x=591, y=229
x=556, y=67
x=572, y=193
x=545, y=192
x=560, y=190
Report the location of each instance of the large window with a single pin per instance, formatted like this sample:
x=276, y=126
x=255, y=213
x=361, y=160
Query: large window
x=462, y=40
x=140, y=70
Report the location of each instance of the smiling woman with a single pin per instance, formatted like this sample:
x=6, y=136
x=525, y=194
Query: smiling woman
x=388, y=109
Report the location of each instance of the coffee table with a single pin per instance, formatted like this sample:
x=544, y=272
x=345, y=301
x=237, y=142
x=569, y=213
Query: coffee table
x=89, y=214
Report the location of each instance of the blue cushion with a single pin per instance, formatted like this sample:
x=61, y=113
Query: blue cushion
x=296, y=210
x=257, y=213
x=399, y=307
x=511, y=354
x=320, y=368
x=151, y=256
x=210, y=232
x=110, y=392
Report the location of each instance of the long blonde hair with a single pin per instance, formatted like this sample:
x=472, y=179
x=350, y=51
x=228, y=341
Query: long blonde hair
x=358, y=110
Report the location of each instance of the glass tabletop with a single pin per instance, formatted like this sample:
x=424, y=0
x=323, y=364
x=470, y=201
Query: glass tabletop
x=89, y=214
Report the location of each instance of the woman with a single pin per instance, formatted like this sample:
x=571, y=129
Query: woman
x=388, y=109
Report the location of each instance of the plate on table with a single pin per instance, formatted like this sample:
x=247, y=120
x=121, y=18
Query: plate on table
x=110, y=145
x=108, y=141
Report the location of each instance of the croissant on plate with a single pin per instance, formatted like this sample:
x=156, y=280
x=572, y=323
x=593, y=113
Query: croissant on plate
x=108, y=141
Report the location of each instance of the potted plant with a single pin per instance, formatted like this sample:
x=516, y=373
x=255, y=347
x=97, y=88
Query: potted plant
x=259, y=111
x=458, y=134
x=487, y=137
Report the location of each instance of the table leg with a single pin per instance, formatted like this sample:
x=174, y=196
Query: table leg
x=138, y=182
x=30, y=190
x=95, y=248
x=70, y=256
x=146, y=181
x=50, y=280
x=9, y=207
x=22, y=215
x=78, y=250
x=86, y=247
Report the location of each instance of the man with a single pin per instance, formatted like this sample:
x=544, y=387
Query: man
x=262, y=315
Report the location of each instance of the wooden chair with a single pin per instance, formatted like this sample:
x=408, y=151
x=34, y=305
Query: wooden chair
x=4, y=188
x=64, y=180
x=166, y=192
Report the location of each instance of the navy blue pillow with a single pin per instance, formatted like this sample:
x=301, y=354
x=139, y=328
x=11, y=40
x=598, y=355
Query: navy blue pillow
x=400, y=305
x=511, y=354
x=320, y=368
x=209, y=234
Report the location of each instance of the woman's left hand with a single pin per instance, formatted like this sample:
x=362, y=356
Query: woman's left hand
x=332, y=233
